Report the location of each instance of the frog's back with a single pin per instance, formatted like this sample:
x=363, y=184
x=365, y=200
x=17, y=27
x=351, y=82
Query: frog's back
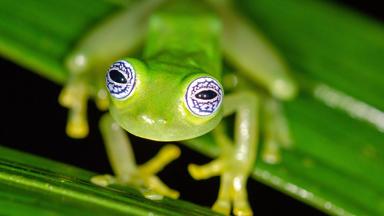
x=185, y=34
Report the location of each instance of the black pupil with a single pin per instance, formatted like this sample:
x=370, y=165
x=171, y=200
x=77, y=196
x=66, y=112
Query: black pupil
x=117, y=76
x=206, y=94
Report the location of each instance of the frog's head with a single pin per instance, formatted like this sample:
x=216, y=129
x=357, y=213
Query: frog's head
x=163, y=103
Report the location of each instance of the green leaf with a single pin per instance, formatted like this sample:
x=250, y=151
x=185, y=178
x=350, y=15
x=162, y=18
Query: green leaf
x=39, y=34
x=32, y=185
x=337, y=164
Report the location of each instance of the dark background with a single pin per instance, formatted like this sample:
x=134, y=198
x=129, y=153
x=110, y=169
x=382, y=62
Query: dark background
x=33, y=121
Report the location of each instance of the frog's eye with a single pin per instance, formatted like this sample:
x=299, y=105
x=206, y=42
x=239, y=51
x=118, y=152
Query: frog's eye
x=204, y=96
x=121, y=79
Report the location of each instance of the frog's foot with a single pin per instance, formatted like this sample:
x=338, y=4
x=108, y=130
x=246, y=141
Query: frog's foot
x=148, y=170
x=74, y=97
x=149, y=185
x=144, y=176
x=232, y=185
x=276, y=132
x=104, y=180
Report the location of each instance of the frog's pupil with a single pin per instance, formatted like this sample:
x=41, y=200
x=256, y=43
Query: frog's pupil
x=206, y=95
x=117, y=76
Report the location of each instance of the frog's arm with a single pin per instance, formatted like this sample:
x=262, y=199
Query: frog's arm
x=248, y=50
x=236, y=161
x=123, y=163
x=115, y=37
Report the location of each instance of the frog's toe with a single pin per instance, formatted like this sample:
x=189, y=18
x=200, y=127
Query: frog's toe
x=166, y=155
x=77, y=125
x=243, y=210
x=241, y=204
x=173, y=194
x=222, y=206
x=211, y=169
x=103, y=180
x=197, y=172
x=271, y=152
x=152, y=195
x=66, y=98
x=157, y=186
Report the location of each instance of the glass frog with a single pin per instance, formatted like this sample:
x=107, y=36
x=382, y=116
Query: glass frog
x=176, y=90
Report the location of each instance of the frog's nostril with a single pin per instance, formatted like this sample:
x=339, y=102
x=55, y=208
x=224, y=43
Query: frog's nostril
x=162, y=121
x=148, y=119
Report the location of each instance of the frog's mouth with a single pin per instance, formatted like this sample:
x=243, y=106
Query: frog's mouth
x=161, y=130
x=158, y=129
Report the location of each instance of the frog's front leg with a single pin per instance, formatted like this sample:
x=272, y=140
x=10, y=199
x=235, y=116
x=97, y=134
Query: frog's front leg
x=74, y=96
x=236, y=161
x=124, y=166
x=117, y=35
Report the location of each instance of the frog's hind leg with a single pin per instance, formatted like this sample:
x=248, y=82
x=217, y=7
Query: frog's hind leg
x=252, y=54
x=275, y=130
x=126, y=171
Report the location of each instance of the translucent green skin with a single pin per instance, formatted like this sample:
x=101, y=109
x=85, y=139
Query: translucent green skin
x=185, y=40
x=156, y=109
x=161, y=115
x=226, y=34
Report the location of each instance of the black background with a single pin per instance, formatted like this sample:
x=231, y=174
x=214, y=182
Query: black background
x=33, y=121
